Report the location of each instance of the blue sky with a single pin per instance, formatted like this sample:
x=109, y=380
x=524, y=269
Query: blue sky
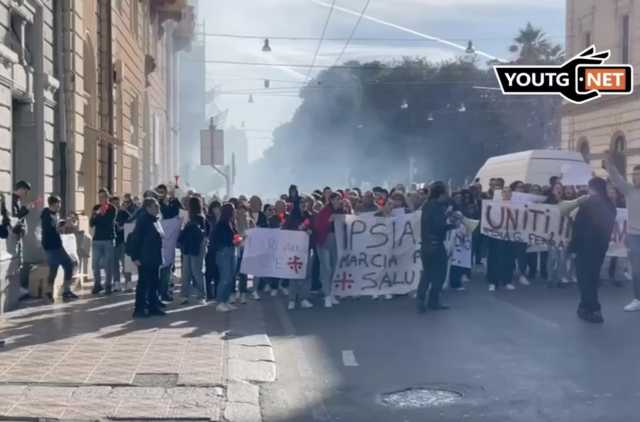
x=491, y=24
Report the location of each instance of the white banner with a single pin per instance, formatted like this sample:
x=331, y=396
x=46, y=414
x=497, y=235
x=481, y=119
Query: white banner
x=377, y=255
x=129, y=266
x=534, y=224
x=171, y=228
x=542, y=225
x=459, y=246
x=70, y=246
x=276, y=253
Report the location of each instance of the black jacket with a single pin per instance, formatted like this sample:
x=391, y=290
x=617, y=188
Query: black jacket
x=593, y=226
x=146, y=241
x=262, y=220
x=104, y=224
x=223, y=236
x=170, y=208
x=192, y=236
x=50, y=236
x=434, y=225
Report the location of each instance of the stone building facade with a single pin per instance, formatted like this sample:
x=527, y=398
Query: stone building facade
x=88, y=99
x=610, y=123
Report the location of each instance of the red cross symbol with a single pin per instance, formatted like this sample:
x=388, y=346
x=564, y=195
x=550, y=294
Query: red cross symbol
x=295, y=264
x=345, y=282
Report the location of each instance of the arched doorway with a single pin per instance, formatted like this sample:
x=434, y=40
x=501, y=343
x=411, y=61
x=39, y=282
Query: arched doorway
x=88, y=177
x=618, y=152
x=585, y=150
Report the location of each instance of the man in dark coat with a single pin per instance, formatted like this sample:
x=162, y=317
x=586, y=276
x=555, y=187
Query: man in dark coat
x=434, y=227
x=144, y=246
x=590, y=240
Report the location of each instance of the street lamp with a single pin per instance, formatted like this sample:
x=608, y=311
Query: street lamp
x=266, y=48
x=470, y=49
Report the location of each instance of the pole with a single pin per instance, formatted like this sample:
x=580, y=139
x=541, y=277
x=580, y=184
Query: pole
x=227, y=179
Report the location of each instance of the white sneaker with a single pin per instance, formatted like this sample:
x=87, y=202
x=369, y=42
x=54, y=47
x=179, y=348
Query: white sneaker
x=243, y=298
x=510, y=286
x=204, y=301
x=628, y=275
x=492, y=287
x=375, y=297
x=274, y=293
x=231, y=307
x=223, y=307
x=460, y=289
x=292, y=305
x=523, y=280
x=328, y=303
x=388, y=297
x=234, y=298
x=335, y=300
x=465, y=278
x=255, y=295
x=305, y=304
x=284, y=291
x=634, y=306
x=564, y=280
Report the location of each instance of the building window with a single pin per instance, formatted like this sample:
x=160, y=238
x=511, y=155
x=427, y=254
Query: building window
x=619, y=157
x=625, y=39
x=585, y=151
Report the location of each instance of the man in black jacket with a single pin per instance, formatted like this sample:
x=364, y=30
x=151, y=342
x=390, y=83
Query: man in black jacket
x=52, y=245
x=169, y=208
x=434, y=227
x=102, y=248
x=144, y=246
x=590, y=241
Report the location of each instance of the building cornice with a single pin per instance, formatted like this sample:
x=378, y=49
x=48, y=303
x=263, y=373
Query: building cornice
x=570, y=110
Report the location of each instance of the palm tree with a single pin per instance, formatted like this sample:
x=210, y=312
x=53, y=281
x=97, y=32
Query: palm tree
x=534, y=48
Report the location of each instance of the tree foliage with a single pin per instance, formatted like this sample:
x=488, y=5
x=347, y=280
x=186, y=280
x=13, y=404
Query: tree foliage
x=364, y=122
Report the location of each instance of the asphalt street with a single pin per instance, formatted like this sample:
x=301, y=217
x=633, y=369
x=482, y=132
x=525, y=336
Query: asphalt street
x=511, y=356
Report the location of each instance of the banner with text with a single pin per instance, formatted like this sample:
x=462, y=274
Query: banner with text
x=541, y=225
x=276, y=253
x=377, y=255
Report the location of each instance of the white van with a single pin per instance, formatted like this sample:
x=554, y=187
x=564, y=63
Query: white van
x=536, y=167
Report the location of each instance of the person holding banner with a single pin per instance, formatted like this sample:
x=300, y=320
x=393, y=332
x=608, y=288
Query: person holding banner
x=325, y=238
x=590, y=240
x=300, y=220
x=434, y=227
x=631, y=192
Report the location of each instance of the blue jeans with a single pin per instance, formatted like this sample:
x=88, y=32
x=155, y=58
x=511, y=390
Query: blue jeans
x=192, y=272
x=633, y=244
x=59, y=258
x=103, y=254
x=226, y=263
x=327, y=254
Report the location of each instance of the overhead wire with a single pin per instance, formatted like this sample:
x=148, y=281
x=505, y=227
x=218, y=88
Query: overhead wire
x=353, y=32
x=324, y=31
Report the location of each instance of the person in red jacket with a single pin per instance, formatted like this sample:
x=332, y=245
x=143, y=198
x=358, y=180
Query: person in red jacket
x=324, y=235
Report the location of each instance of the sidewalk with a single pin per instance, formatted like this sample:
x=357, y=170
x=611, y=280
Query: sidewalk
x=87, y=361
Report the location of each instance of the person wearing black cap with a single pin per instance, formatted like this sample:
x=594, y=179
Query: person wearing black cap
x=590, y=240
x=434, y=227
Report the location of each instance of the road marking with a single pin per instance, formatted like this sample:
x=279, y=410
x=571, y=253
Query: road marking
x=349, y=358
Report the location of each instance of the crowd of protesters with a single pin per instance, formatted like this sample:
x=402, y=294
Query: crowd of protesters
x=212, y=234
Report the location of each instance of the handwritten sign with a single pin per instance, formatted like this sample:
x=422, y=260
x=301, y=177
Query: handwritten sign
x=276, y=253
x=541, y=225
x=459, y=246
x=377, y=255
x=534, y=224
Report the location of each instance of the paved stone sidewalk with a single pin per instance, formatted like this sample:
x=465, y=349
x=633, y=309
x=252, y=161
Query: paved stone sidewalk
x=89, y=361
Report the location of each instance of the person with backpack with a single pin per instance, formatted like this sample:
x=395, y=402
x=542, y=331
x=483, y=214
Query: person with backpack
x=192, y=240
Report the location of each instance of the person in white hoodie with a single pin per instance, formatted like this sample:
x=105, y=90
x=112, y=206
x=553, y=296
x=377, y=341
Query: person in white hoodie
x=631, y=191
